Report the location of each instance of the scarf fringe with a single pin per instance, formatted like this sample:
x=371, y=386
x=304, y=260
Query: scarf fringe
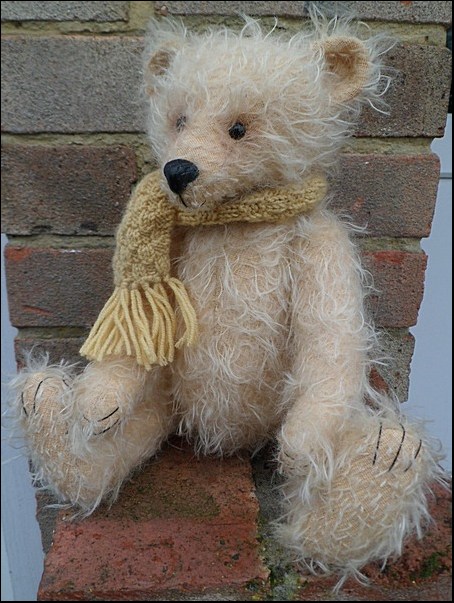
x=141, y=322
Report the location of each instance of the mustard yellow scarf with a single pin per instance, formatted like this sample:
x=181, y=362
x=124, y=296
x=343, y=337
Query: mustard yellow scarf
x=139, y=319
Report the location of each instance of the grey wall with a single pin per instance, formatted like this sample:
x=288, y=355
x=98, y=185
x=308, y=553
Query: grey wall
x=22, y=556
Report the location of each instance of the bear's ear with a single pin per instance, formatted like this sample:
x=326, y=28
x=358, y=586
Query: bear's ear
x=347, y=62
x=159, y=61
x=164, y=40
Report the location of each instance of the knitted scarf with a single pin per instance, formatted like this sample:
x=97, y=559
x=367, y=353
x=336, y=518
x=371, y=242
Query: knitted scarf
x=139, y=318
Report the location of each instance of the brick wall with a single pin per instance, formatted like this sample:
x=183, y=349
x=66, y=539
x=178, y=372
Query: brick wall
x=73, y=146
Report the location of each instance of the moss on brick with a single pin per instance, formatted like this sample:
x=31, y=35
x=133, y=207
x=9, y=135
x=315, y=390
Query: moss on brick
x=433, y=565
x=144, y=499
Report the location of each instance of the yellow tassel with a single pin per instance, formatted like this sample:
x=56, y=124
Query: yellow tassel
x=141, y=322
x=187, y=312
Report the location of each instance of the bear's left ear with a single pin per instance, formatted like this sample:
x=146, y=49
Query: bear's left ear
x=347, y=62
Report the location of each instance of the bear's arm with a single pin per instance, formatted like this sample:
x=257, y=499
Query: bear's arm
x=330, y=338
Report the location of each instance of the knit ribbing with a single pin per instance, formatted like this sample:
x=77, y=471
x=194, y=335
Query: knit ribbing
x=138, y=319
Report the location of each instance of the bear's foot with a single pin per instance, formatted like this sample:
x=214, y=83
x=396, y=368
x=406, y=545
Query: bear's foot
x=60, y=453
x=377, y=497
x=45, y=416
x=85, y=434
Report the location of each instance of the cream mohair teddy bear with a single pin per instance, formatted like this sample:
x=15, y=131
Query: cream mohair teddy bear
x=238, y=311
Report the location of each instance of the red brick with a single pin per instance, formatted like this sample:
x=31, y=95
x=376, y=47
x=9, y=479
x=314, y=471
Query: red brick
x=52, y=287
x=178, y=527
x=184, y=526
x=391, y=195
x=65, y=11
x=65, y=189
x=414, y=12
x=398, y=278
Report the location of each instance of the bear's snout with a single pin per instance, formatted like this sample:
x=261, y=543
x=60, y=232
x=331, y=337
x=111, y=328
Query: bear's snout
x=179, y=173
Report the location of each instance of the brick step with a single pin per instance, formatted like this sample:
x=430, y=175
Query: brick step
x=188, y=528
x=182, y=527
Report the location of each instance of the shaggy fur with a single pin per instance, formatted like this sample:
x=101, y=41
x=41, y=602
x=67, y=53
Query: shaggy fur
x=285, y=346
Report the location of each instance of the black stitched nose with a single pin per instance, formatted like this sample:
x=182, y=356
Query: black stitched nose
x=179, y=174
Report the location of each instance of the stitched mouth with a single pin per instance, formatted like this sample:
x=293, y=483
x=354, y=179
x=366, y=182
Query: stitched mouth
x=191, y=207
x=182, y=200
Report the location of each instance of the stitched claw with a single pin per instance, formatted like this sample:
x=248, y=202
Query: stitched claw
x=394, y=447
x=105, y=423
x=40, y=388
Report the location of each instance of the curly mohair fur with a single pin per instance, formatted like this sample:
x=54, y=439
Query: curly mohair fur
x=285, y=346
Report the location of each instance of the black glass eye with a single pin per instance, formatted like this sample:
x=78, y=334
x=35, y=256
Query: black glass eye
x=237, y=131
x=180, y=123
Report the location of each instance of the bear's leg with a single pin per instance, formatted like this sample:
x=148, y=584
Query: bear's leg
x=356, y=479
x=87, y=433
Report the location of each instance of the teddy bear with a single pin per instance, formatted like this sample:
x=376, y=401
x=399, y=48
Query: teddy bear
x=238, y=314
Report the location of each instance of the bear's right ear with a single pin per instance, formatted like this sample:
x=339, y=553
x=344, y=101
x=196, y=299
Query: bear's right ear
x=160, y=61
x=164, y=40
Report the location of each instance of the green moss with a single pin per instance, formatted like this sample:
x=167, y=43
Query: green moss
x=432, y=566
x=285, y=582
x=253, y=586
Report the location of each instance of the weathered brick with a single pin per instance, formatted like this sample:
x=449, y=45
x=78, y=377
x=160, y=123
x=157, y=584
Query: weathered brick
x=58, y=348
x=51, y=287
x=412, y=12
x=71, y=84
x=391, y=195
x=184, y=526
x=57, y=287
x=398, y=280
x=91, y=83
x=283, y=9
x=83, y=190
x=65, y=189
x=396, y=351
x=418, y=97
x=64, y=11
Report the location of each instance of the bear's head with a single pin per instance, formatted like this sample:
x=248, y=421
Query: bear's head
x=234, y=112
